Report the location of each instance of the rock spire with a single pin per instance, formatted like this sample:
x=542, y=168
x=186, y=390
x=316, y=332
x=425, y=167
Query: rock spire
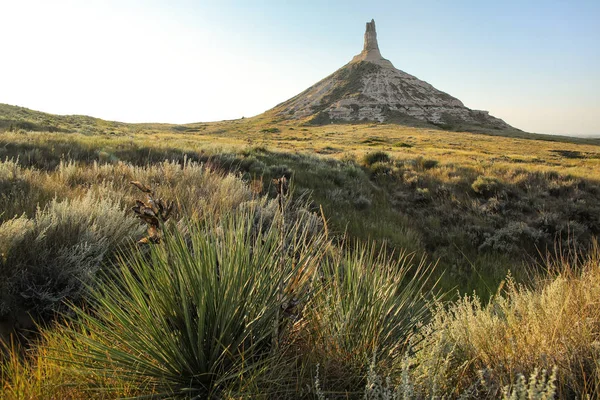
x=371, y=48
x=371, y=38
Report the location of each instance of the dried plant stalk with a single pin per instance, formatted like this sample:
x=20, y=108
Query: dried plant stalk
x=154, y=212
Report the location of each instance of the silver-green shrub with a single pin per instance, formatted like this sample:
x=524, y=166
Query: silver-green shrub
x=52, y=257
x=539, y=386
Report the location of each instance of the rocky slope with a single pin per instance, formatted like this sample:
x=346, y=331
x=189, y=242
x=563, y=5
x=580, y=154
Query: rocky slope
x=370, y=88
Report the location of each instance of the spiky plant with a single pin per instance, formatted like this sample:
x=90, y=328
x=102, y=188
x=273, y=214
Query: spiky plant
x=369, y=304
x=196, y=310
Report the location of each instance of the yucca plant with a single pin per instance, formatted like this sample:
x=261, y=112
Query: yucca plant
x=369, y=305
x=194, y=312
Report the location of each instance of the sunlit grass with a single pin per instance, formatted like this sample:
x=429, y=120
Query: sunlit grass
x=240, y=300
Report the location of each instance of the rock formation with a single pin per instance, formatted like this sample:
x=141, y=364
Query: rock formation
x=370, y=88
x=371, y=48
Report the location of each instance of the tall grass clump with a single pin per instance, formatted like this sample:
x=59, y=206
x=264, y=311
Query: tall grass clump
x=369, y=305
x=21, y=189
x=42, y=374
x=197, y=188
x=195, y=312
x=486, y=186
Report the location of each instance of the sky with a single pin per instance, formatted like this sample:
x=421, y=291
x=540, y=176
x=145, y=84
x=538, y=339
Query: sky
x=535, y=64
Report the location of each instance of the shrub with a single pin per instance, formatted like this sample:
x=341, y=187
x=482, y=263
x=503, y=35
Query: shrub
x=198, y=310
x=252, y=165
x=198, y=189
x=362, y=202
x=20, y=189
x=376, y=157
x=422, y=195
x=348, y=158
x=423, y=164
x=352, y=170
x=512, y=238
x=380, y=169
x=270, y=130
x=376, y=388
x=486, y=186
x=539, y=386
x=520, y=332
x=54, y=255
x=411, y=178
x=277, y=171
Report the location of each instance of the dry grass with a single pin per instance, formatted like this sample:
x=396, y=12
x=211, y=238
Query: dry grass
x=46, y=371
x=555, y=323
x=479, y=204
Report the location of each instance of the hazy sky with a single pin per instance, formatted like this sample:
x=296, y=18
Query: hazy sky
x=535, y=64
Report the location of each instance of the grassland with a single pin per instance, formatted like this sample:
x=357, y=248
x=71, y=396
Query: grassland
x=479, y=204
x=472, y=207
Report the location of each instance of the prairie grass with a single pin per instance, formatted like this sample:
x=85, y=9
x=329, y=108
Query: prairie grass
x=529, y=342
x=248, y=292
x=423, y=198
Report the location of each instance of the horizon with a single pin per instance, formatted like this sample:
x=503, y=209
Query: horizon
x=534, y=65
